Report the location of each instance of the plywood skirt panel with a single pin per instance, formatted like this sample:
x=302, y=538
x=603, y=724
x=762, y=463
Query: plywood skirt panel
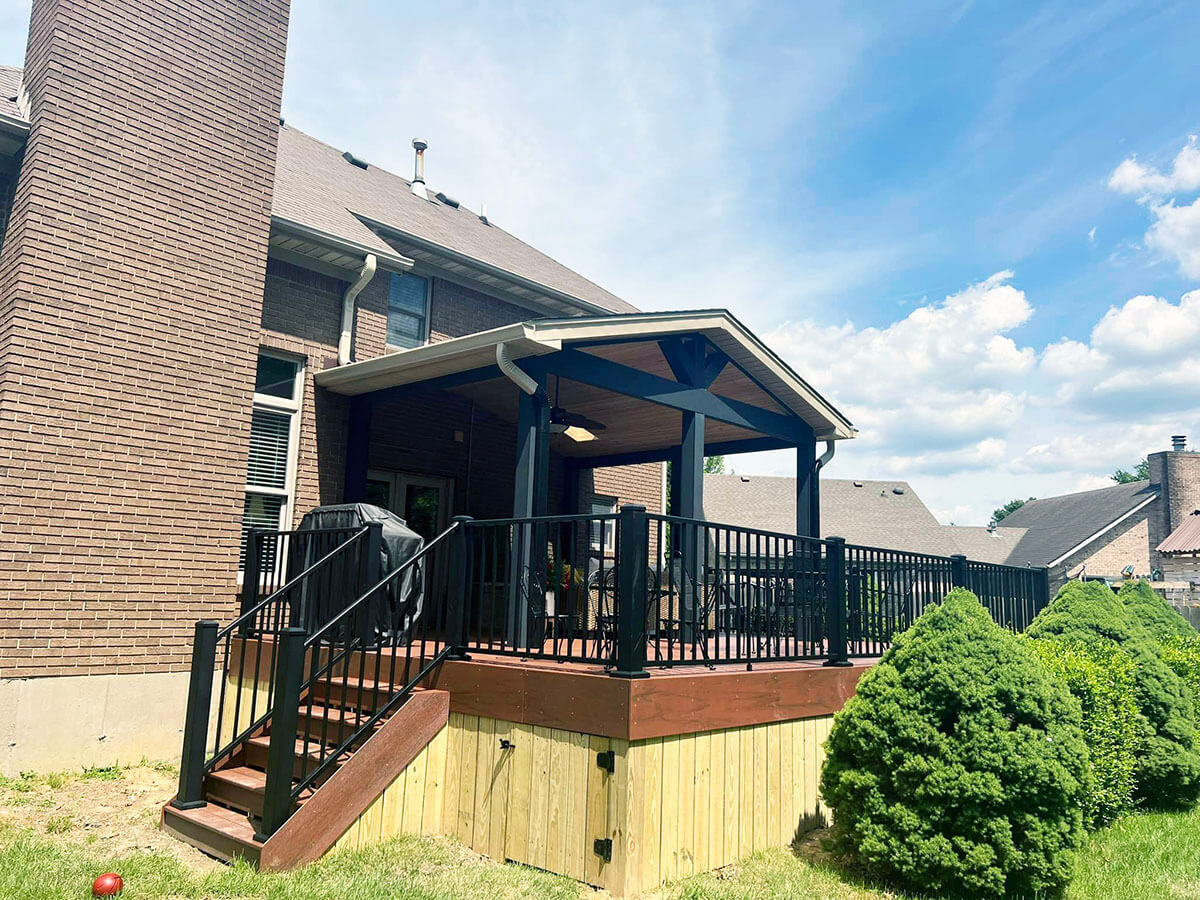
x=671, y=806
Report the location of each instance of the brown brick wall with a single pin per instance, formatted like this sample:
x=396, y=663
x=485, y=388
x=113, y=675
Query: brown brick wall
x=302, y=315
x=131, y=284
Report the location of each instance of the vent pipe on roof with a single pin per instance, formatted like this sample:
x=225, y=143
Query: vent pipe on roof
x=418, y=182
x=1179, y=442
x=365, y=274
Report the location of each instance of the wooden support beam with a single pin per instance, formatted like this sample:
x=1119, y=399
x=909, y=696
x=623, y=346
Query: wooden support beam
x=668, y=454
x=358, y=447
x=622, y=379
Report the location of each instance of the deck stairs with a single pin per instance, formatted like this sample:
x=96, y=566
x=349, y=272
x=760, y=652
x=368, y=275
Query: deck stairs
x=224, y=826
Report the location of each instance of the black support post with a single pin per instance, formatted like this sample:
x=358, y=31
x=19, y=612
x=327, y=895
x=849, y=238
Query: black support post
x=281, y=752
x=458, y=613
x=807, y=511
x=195, y=723
x=835, y=616
x=358, y=444
x=958, y=570
x=633, y=546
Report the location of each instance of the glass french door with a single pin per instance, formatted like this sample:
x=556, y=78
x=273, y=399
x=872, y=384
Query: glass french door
x=423, y=501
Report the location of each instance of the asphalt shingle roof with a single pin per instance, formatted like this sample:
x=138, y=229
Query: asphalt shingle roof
x=870, y=513
x=1054, y=525
x=317, y=187
x=10, y=84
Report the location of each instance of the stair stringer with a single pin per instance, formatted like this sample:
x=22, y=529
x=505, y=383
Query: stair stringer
x=338, y=803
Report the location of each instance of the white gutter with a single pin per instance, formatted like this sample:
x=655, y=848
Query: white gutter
x=365, y=274
x=512, y=372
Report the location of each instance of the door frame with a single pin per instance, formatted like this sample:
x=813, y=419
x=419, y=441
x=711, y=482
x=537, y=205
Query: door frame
x=399, y=481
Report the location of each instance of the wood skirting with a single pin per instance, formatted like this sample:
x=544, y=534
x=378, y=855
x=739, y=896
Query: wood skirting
x=671, y=806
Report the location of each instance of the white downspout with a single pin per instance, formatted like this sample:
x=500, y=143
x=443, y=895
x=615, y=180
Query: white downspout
x=365, y=274
x=513, y=373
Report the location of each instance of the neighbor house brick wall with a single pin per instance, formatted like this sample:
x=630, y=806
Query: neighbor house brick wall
x=131, y=286
x=1178, y=476
x=1126, y=544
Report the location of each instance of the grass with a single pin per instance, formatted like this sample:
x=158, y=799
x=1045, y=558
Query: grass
x=1150, y=857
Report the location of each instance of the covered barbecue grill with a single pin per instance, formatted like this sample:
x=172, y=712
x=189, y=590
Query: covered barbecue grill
x=396, y=606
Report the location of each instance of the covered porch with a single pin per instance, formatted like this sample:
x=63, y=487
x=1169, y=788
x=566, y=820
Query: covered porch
x=535, y=426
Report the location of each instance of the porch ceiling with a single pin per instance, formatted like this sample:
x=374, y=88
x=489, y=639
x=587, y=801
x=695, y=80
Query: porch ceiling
x=755, y=377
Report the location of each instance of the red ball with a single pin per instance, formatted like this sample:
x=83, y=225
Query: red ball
x=107, y=885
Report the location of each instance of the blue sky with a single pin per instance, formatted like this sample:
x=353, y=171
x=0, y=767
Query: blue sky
x=941, y=213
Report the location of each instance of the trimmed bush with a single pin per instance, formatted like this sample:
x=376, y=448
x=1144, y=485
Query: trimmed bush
x=1168, y=771
x=1155, y=614
x=959, y=766
x=1102, y=679
x=1182, y=655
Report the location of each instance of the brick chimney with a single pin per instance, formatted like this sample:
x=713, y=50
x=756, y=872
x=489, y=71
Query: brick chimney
x=1177, y=473
x=131, y=285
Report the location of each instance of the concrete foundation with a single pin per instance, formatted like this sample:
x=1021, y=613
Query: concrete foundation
x=52, y=724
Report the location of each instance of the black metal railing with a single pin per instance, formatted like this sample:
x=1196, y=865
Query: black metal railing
x=241, y=659
x=886, y=590
x=543, y=586
x=338, y=680
x=727, y=594
x=276, y=559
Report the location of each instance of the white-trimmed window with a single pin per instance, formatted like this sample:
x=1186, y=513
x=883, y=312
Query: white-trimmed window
x=274, y=436
x=408, y=310
x=603, y=533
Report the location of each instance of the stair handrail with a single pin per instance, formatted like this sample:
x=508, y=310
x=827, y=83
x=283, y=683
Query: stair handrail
x=337, y=641
x=195, y=762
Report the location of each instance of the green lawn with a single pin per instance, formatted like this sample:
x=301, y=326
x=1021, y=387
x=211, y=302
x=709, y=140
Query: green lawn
x=58, y=831
x=1144, y=857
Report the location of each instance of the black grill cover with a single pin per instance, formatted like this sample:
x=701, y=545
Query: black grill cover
x=395, y=609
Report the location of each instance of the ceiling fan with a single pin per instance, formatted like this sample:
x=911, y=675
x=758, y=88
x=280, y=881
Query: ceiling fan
x=576, y=426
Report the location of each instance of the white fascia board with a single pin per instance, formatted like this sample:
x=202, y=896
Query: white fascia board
x=1109, y=527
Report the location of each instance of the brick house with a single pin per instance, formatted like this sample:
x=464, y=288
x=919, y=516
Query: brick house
x=1114, y=532
x=158, y=253
x=211, y=323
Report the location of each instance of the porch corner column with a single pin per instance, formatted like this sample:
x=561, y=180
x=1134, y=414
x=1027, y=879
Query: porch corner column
x=691, y=506
x=525, y=598
x=358, y=447
x=808, y=509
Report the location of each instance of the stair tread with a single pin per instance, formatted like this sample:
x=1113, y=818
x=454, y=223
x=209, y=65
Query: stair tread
x=233, y=825
x=242, y=776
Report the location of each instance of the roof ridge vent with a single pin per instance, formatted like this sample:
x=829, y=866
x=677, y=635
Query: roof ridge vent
x=354, y=160
x=447, y=199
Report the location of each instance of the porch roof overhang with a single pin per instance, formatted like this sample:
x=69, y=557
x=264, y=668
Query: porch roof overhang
x=755, y=398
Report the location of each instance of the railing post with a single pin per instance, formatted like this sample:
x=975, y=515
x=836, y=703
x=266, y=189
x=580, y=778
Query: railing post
x=458, y=590
x=281, y=752
x=251, y=576
x=633, y=552
x=1043, y=589
x=195, y=723
x=835, y=587
x=958, y=570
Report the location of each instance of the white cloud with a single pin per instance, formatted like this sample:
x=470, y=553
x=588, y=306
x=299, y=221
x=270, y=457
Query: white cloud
x=1176, y=235
x=1175, y=231
x=947, y=399
x=1131, y=177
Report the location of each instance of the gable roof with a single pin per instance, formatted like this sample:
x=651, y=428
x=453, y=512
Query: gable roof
x=316, y=187
x=1057, y=526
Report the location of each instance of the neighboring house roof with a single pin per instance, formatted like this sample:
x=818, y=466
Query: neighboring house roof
x=1185, y=538
x=1056, y=527
x=886, y=514
x=316, y=187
